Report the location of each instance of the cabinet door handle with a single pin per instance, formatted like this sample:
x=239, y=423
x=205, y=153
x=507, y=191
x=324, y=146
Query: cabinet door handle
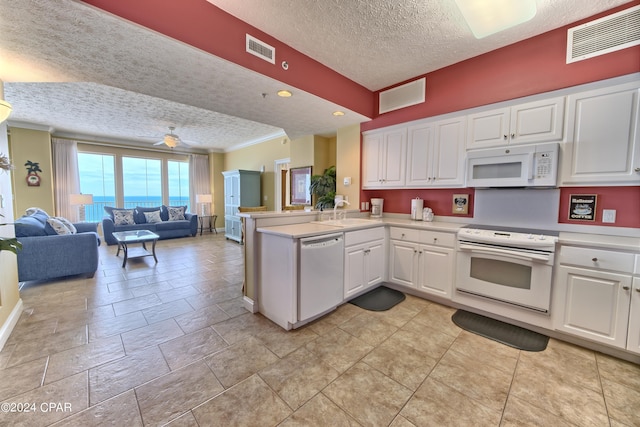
x=435, y=240
x=626, y=288
x=637, y=169
x=513, y=135
x=594, y=259
x=505, y=136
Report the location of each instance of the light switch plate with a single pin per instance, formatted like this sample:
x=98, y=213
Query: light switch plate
x=609, y=215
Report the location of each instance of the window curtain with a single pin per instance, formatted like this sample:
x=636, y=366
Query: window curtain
x=199, y=178
x=66, y=178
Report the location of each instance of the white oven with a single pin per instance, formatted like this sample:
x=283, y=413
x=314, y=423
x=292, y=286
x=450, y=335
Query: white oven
x=514, y=267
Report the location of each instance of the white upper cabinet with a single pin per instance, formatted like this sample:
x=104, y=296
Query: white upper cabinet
x=537, y=121
x=602, y=145
x=435, y=154
x=384, y=159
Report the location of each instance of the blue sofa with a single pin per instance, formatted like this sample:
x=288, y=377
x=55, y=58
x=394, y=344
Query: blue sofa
x=47, y=255
x=165, y=228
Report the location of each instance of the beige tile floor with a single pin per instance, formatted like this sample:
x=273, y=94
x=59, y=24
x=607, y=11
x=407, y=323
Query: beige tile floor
x=170, y=343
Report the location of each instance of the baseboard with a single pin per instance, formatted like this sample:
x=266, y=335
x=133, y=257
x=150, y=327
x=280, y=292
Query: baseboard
x=8, y=326
x=250, y=304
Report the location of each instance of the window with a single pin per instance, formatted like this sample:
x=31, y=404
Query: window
x=97, y=177
x=178, y=174
x=146, y=179
x=141, y=182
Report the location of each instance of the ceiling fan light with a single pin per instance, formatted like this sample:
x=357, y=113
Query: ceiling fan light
x=171, y=140
x=492, y=16
x=284, y=93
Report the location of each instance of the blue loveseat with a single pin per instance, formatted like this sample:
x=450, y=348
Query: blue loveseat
x=48, y=255
x=165, y=227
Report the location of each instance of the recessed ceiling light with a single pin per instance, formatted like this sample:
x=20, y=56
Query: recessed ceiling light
x=492, y=16
x=284, y=93
x=338, y=113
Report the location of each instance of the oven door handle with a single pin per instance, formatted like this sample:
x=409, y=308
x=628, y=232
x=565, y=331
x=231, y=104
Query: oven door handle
x=506, y=252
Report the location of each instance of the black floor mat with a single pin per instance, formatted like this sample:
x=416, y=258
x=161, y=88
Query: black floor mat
x=379, y=299
x=513, y=336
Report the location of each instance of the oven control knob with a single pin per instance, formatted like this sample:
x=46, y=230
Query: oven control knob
x=530, y=236
x=542, y=237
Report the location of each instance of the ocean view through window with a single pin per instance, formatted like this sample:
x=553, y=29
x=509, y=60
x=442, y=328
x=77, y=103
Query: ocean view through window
x=143, y=182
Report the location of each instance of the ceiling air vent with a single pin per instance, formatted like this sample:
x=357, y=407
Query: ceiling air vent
x=411, y=93
x=261, y=49
x=608, y=34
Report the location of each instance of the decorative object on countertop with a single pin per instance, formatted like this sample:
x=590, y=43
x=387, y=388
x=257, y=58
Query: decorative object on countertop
x=324, y=188
x=33, y=179
x=460, y=204
x=505, y=333
x=379, y=299
x=427, y=214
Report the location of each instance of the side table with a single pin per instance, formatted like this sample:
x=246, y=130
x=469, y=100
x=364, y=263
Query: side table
x=211, y=220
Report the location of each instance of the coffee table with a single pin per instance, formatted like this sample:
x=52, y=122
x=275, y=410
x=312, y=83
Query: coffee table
x=125, y=238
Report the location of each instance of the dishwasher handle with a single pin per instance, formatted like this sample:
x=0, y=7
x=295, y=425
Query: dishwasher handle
x=321, y=241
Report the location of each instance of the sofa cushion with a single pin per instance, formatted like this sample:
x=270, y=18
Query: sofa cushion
x=123, y=217
x=28, y=226
x=152, y=217
x=139, y=214
x=176, y=214
x=164, y=213
x=172, y=225
x=110, y=211
x=58, y=227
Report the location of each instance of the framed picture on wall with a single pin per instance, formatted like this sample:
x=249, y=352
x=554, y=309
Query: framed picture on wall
x=300, y=183
x=582, y=207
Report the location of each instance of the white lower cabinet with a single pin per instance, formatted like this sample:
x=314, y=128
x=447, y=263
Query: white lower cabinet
x=364, y=260
x=426, y=267
x=597, y=298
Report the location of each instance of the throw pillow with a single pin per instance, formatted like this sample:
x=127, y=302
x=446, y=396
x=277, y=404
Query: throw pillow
x=123, y=217
x=176, y=214
x=58, y=226
x=67, y=223
x=153, y=216
x=32, y=211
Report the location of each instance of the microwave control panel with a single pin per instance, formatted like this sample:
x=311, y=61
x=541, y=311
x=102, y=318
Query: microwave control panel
x=544, y=164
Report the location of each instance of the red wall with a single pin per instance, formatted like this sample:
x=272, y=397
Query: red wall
x=625, y=200
x=536, y=65
x=207, y=27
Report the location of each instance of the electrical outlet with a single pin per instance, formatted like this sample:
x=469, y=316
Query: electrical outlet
x=609, y=215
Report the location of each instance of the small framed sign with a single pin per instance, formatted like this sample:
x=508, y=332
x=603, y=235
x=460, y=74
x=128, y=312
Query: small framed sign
x=460, y=204
x=582, y=207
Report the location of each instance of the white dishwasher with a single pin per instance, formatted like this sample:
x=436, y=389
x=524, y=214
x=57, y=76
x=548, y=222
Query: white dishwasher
x=321, y=275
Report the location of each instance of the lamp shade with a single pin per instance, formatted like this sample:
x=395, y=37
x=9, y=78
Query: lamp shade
x=204, y=198
x=81, y=199
x=5, y=110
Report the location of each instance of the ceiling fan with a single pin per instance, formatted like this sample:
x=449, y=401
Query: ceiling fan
x=170, y=139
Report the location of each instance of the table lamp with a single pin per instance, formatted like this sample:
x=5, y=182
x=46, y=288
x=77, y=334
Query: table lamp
x=81, y=200
x=204, y=199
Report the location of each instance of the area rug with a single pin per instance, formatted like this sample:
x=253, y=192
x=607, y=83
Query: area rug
x=513, y=336
x=379, y=299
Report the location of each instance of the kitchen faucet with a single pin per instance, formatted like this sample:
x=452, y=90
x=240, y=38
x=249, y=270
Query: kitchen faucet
x=335, y=207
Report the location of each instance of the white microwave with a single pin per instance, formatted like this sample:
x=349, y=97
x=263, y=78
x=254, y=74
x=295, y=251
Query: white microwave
x=534, y=165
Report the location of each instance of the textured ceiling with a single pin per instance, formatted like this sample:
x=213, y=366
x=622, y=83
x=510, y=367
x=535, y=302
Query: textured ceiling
x=81, y=72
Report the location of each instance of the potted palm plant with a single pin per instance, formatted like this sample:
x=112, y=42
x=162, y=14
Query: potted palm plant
x=324, y=188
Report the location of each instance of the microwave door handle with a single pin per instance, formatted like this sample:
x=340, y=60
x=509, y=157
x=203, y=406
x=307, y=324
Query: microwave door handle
x=498, y=251
x=531, y=165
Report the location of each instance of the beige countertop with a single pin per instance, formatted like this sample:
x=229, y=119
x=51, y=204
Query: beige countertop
x=316, y=228
x=600, y=240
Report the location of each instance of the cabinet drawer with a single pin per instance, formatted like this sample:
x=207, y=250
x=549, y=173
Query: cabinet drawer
x=438, y=238
x=363, y=236
x=597, y=258
x=404, y=234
